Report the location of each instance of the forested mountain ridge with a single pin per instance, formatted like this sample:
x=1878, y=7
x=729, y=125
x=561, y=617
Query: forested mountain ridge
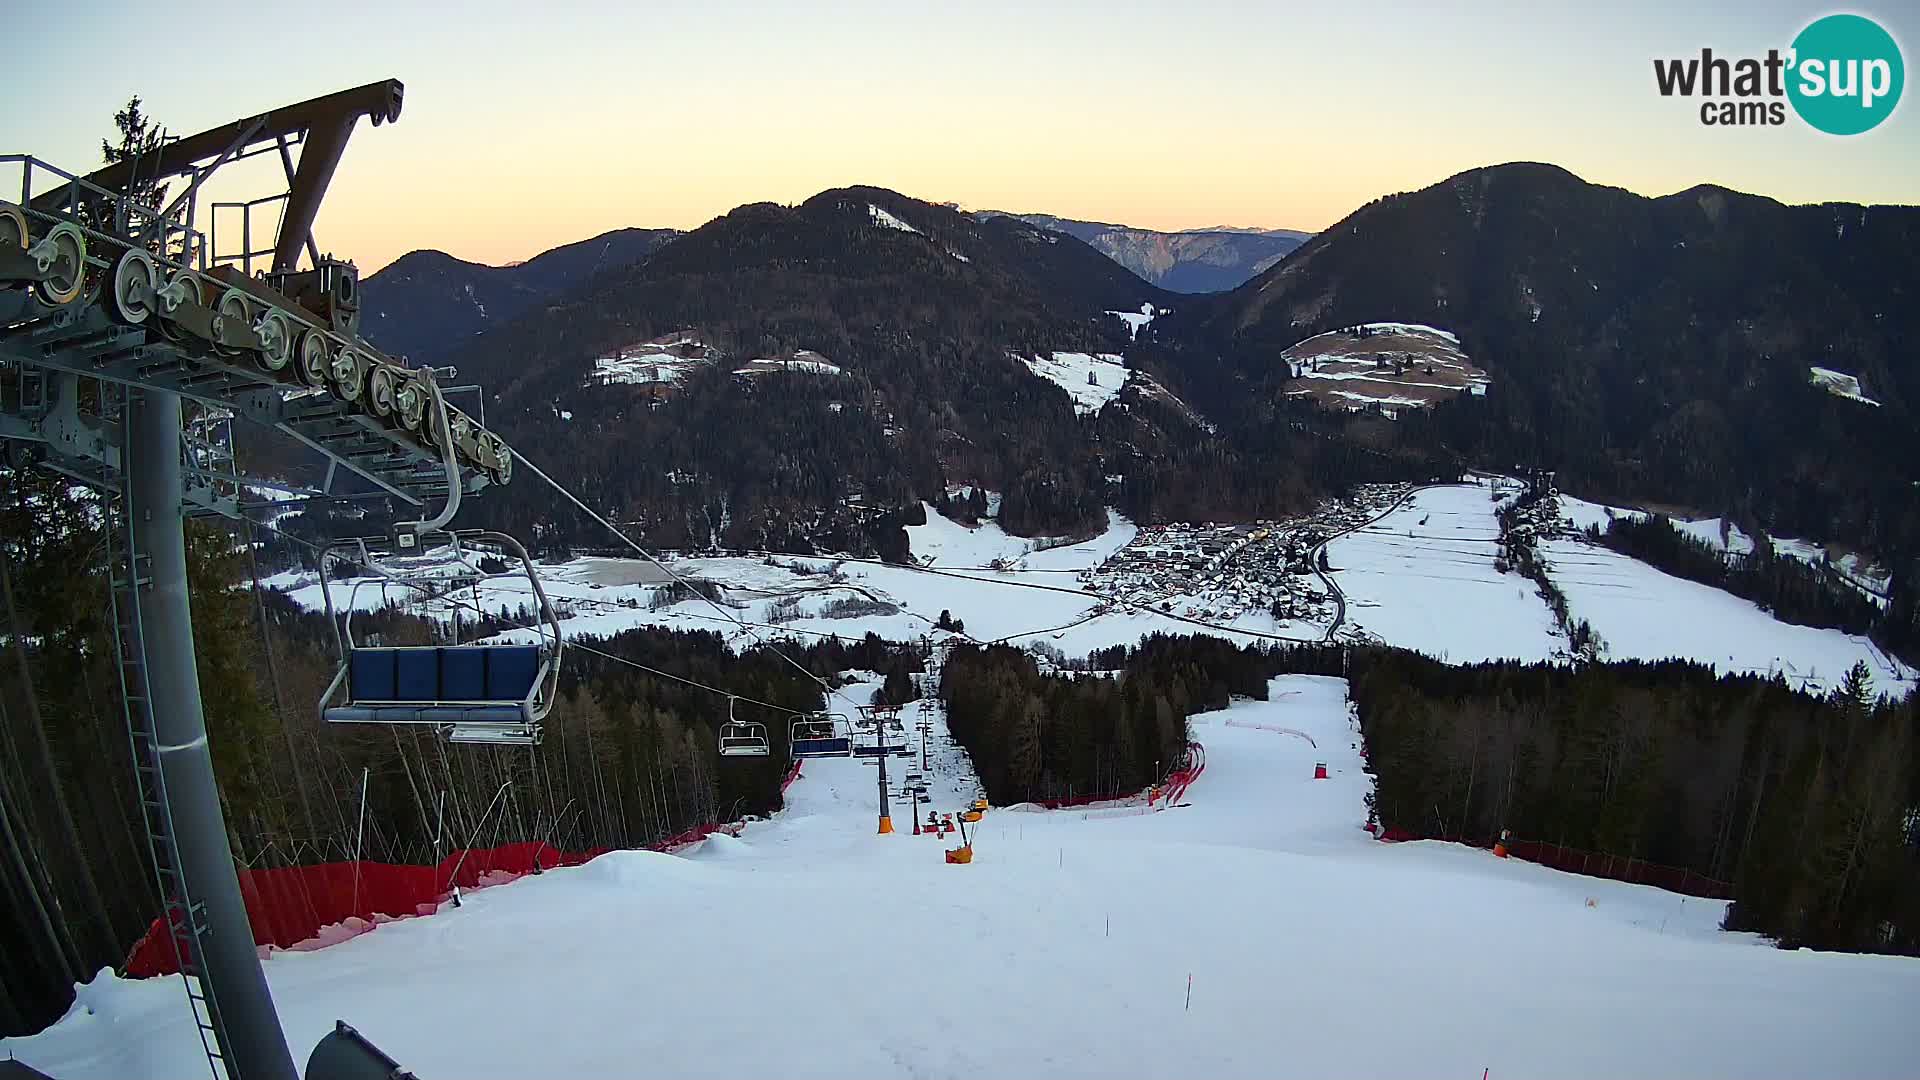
x=920, y=311
x=427, y=303
x=1650, y=349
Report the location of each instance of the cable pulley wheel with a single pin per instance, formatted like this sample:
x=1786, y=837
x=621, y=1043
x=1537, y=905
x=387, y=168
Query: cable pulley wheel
x=135, y=278
x=410, y=402
x=13, y=226
x=181, y=288
x=232, y=310
x=380, y=382
x=276, y=340
x=310, y=359
x=349, y=375
x=66, y=265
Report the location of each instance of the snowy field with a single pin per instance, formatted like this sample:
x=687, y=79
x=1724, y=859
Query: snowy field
x=1035, y=594
x=1090, y=379
x=811, y=947
x=1423, y=578
x=1872, y=581
x=1644, y=614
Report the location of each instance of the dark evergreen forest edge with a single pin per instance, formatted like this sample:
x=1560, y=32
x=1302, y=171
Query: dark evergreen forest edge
x=1792, y=589
x=1809, y=806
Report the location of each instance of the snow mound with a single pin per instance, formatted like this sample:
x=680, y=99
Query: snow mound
x=720, y=846
x=625, y=868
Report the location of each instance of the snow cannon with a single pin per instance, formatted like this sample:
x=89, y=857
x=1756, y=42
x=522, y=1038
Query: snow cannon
x=1500, y=845
x=980, y=805
x=970, y=816
x=1319, y=770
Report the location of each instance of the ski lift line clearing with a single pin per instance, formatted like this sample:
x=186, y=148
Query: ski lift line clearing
x=496, y=694
x=665, y=569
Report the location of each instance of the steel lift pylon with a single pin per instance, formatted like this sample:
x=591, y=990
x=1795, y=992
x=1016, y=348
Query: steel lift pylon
x=127, y=338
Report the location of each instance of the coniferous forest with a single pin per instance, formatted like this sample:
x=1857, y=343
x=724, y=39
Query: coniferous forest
x=1806, y=805
x=1109, y=731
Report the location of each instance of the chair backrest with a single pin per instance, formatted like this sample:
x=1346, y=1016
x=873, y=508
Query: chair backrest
x=450, y=673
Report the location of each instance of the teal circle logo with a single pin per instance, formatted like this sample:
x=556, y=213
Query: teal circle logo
x=1846, y=74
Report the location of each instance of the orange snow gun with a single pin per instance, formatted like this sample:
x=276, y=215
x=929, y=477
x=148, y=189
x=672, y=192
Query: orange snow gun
x=964, y=853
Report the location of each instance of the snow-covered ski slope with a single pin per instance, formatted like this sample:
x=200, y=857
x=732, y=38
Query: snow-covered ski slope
x=1642, y=613
x=1422, y=577
x=811, y=947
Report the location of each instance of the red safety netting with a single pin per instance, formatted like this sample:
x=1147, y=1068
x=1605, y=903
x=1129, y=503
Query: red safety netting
x=292, y=905
x=1183, y=777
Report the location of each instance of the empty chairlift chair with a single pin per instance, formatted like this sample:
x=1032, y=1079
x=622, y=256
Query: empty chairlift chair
x=743, y=738
x=818, y=735
x=488, y=694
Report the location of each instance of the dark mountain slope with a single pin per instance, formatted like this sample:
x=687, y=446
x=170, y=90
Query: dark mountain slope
x=919, y=306
x=426, y=304
x=1654, y=349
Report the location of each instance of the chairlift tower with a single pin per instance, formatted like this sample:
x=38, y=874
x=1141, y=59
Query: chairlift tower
x=880, y=718
x=126, y=336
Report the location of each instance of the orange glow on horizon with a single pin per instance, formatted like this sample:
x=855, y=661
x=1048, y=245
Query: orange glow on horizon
x=531, y=126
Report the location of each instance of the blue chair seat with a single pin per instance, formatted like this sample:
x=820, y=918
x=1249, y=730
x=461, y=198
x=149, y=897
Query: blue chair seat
x=431, y=676
x=834, y=747
x=405, y=713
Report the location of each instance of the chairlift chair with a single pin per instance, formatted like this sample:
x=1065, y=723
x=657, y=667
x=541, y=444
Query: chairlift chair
x=476, y=694
x=819, y=735
x=742, y=738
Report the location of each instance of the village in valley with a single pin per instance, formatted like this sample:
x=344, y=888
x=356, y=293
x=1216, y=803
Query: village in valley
x=1222, y=572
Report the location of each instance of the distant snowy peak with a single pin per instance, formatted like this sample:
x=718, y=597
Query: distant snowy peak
x=1840, y=384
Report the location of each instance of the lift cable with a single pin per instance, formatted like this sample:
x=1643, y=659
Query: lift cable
x=382, y=572
x=663, y=568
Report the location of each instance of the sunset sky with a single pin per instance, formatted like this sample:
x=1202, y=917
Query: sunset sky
x=528, y=125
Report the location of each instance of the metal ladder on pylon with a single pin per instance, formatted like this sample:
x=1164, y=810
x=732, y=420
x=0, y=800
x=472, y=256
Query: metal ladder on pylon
x=186, y=918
